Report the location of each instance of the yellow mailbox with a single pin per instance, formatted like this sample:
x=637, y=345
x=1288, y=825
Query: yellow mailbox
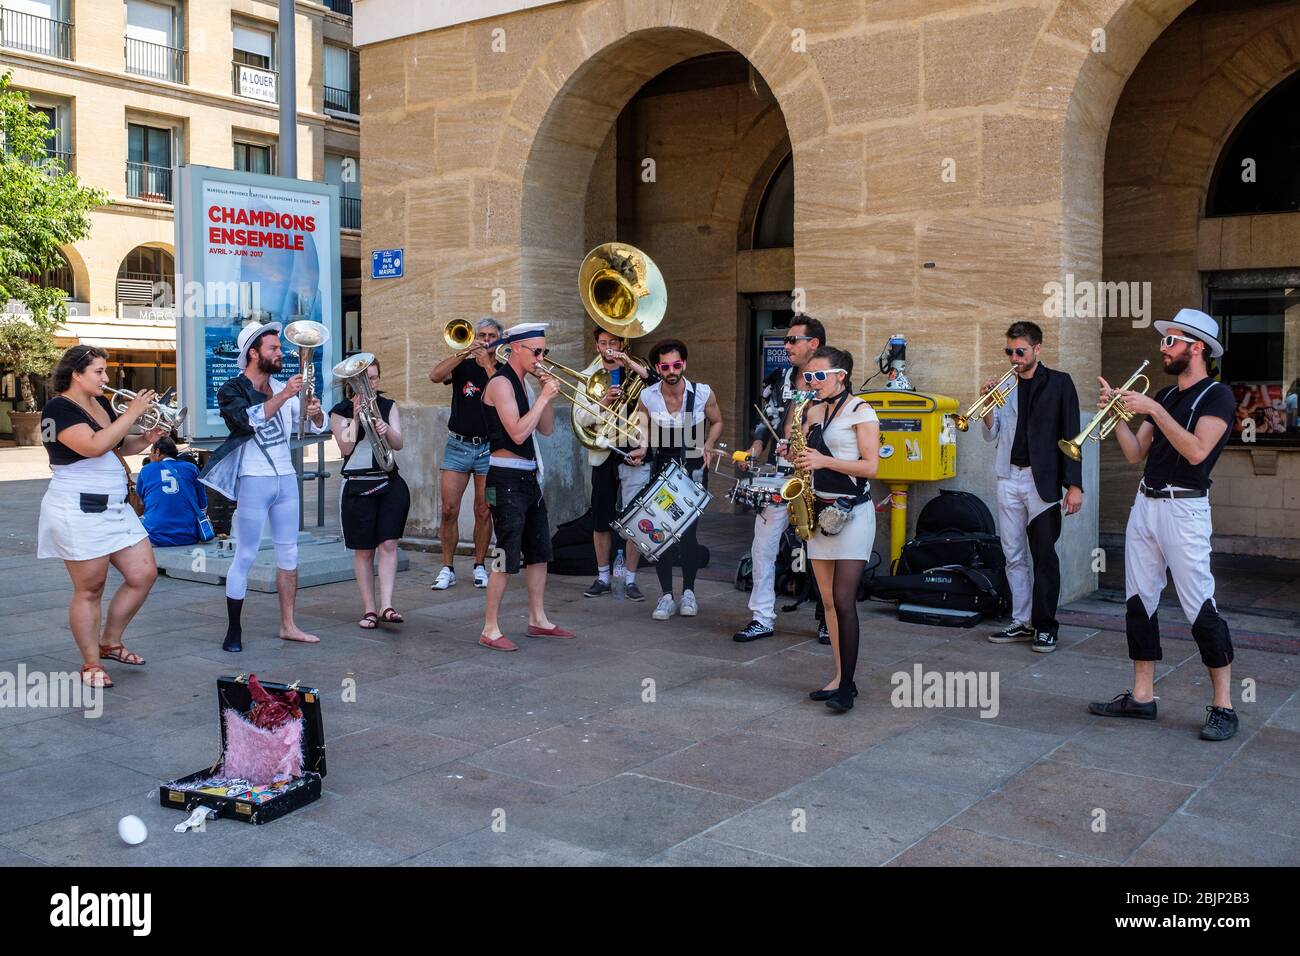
x=918, y=442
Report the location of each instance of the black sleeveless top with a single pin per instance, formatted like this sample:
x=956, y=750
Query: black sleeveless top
x=344, y=410
x=825, y=480
x=498, y=438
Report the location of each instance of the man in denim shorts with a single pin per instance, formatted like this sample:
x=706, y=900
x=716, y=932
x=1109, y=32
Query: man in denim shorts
x=467, y=372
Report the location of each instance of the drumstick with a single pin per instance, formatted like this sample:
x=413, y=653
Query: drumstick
x=767, y=423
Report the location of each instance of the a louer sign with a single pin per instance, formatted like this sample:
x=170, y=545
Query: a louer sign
x=256, y=84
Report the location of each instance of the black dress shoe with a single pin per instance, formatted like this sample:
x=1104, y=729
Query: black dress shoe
x=823, y=635
x=826, y=694
x=1123, y=705
x=842, y=699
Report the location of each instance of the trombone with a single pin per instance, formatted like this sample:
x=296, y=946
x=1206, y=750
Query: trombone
x=159, y=414
x=1111, y=414
x=459, y=336
x=996, y=397
x=586, y=390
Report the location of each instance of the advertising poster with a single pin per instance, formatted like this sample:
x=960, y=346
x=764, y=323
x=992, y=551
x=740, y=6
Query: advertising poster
x=252, y=249
x=1264, y=404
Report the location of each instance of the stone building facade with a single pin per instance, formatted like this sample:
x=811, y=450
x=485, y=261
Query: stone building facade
x=952, y=159
x=136, y=88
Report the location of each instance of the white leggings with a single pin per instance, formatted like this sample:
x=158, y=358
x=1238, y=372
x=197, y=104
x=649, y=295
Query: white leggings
x=255, y=497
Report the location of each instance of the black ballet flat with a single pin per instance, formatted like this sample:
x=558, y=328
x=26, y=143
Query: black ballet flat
x=827, y=694
x=842, y=700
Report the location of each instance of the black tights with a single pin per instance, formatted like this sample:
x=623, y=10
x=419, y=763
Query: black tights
x=686, y=553
x=844, y=598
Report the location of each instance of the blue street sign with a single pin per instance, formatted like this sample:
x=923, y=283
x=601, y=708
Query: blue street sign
x=386, y=264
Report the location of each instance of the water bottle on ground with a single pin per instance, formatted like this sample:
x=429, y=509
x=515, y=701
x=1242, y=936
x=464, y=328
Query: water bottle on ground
x=617, y=580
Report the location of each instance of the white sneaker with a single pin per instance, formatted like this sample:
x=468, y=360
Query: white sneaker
x=689, y=607
x=665, y=609
x=446, y=578
x=480, y=576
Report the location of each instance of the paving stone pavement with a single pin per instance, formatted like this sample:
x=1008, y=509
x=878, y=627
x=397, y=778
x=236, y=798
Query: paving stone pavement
x=648, y=743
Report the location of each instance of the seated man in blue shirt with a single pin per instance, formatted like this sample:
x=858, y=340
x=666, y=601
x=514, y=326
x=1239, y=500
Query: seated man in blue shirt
x=172, y=496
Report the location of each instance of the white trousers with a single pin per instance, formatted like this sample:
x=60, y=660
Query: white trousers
x=1019, y=504
x=1169, y=535
x=769, y=524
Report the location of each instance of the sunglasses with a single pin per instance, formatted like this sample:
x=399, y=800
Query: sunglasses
x=791, y=339
x=1168, y=341
x=819, y=375
x=1017, y=352
x=671, y=366
x=539, y=353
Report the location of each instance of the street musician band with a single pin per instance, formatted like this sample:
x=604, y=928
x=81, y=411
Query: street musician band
x=652, y=435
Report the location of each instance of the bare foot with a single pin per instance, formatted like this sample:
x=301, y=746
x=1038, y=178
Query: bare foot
x=298, y=634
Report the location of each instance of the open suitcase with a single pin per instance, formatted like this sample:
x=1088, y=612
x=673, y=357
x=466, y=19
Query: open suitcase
x=233, y=692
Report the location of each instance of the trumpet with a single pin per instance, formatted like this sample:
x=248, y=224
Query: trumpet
x=307, y=336
x=459, y=336
x=996, y=397
x=352, y=371
x=1110, y=415
x=586, y=390
x=159, y=414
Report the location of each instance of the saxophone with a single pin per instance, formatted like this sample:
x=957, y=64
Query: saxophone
x=797, y=492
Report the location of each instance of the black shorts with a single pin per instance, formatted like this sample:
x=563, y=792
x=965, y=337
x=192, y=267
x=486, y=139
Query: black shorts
x=519, y=517
x=369, y=519
x=604, y=493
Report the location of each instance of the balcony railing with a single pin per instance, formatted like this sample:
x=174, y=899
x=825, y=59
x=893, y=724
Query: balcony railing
x=340, y=6
x=62, y=161
x=349, y=212
x=34, y=34
x=255, y=83
x=150, y=183
x=155, y=60
x=343, y=101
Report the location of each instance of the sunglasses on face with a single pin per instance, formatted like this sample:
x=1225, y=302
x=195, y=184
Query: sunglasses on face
x=1017, y=352
x=1168, y=341
x=540, y=353
x=791, y=339
x=671, y=366
x=819, y=375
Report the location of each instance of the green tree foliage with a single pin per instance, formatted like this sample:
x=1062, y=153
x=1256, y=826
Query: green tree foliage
x=42, y=207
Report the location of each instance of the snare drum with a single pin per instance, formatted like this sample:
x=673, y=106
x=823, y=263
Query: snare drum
x=759, y=491
x=658, y=516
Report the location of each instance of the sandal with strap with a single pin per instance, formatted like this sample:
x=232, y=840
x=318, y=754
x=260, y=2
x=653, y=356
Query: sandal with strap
x=369, y=621
x=116, y=652
x=95, y=676
x=390, y=616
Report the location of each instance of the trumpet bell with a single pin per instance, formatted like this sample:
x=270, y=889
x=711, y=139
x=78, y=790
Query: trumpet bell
x=1070, y=449
x=622, y=290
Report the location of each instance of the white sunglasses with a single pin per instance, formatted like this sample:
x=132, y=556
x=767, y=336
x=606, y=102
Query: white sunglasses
x=819, y=375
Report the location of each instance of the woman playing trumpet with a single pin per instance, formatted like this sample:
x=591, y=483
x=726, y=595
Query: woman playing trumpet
x=85, y=518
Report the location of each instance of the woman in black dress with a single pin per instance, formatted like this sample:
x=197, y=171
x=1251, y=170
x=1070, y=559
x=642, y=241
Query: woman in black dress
x=373, y=503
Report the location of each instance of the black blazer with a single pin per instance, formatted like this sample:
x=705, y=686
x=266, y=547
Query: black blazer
x=1054, y=415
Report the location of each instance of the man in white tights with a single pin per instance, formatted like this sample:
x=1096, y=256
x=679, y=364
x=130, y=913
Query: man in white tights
x=254, y=468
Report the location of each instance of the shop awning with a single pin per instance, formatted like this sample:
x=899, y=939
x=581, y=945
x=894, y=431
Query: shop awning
x=119, y=335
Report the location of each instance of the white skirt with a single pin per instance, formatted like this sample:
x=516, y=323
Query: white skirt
x=69, y=533
x=853, y=543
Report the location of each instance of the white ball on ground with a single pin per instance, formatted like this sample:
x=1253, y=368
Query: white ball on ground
x=132, y=830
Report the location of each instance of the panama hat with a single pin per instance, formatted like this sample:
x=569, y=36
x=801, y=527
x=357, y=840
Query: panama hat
x=1197, y=325
x=249, y=335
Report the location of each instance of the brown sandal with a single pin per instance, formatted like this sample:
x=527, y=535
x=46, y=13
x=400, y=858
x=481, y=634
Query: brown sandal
x=116, y=652
x=93, y=675
x=369, y=621
x=390, y=616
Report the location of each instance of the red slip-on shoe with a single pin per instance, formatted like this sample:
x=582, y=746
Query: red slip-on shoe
x=502, y=643
x=555, y=631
